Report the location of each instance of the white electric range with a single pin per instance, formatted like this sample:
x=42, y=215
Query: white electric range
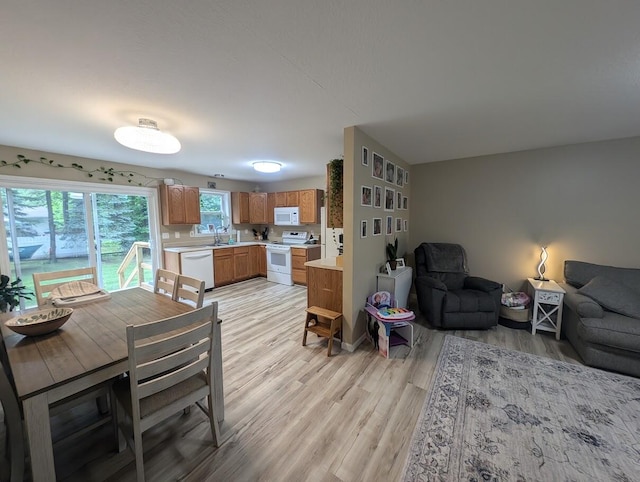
x=279, y=256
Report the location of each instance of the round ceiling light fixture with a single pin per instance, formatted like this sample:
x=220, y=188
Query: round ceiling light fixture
x=147, y=137
x=267, y=166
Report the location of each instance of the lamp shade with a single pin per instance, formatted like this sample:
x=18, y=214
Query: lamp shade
x=267, y=166
x=147, y=137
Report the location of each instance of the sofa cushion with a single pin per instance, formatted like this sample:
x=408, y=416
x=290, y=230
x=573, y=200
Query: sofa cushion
x=579, y=273
x=613, y=296
x=612, y=330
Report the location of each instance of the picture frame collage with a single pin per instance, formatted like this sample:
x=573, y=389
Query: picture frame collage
x=385, y=193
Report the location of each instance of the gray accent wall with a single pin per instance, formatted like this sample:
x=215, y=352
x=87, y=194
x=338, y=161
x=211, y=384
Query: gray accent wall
x=579, y=200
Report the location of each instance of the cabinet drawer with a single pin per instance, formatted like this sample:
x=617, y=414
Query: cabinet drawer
x=299, y=276
x=244, y=250
x=297, y=262
x=222, y=252
x=547, y=297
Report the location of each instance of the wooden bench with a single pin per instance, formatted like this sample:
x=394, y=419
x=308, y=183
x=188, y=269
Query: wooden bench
x=322, y=322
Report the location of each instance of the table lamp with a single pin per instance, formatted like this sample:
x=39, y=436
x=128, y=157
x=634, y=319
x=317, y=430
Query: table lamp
x=541, y=268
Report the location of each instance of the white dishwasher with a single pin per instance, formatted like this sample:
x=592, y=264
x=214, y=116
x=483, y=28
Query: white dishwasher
x=199, y=265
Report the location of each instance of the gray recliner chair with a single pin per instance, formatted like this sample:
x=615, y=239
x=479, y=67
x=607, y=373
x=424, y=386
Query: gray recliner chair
x=447, y=296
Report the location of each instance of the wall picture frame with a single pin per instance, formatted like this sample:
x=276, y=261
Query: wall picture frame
x=399, y=176
x=406, y=177
x=363, y=228
x=377, y=227
x=399, y=200
x=377, y=166
x=365, y=156
x=405, y=203
x=366, y=195
x=398, y=225
x=390, y=171
x=406, y=225
x=389, y=225
x=389, y=198
x=377, y=196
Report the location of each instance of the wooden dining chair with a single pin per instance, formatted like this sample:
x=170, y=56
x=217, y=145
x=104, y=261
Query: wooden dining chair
x=168, y=374
x=13, y=423
x=44, y=283
x=189, y=291
x=165, y=282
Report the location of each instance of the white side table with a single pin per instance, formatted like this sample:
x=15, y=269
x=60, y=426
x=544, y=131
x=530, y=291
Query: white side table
x=547, y=306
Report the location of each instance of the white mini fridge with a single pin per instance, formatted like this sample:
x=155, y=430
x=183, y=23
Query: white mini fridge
x=397, y=283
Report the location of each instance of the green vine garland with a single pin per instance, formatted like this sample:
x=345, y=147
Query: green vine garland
x=335, y=187
x=105, y=174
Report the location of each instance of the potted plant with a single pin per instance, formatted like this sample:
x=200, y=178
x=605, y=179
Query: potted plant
x=11, y=293
x=392, y=253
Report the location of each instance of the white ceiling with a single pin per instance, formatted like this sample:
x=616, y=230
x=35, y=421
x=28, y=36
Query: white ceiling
x=240, y=80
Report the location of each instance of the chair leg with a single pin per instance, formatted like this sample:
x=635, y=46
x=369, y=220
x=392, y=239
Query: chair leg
x=213, y=421
x=137, y=442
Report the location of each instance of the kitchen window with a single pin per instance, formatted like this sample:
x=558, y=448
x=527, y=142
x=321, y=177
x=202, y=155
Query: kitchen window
x=215, y=213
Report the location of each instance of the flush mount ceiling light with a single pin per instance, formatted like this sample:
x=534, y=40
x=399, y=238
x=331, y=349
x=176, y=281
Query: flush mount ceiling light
x=267, y=166
x=147, y=137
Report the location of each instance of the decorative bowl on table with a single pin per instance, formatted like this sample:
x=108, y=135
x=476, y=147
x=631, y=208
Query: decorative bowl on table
x=39, y=322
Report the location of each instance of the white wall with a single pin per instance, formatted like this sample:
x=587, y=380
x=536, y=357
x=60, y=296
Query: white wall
x=579, y=200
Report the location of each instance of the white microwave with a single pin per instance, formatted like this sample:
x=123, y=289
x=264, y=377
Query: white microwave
x=286, y=216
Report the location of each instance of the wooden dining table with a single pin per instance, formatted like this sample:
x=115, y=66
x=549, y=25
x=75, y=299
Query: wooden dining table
x=90, y=348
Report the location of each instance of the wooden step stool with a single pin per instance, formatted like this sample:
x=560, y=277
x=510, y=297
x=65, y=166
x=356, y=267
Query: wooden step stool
x=322, y=322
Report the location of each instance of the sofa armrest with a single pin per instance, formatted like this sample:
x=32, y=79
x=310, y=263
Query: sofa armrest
x=584, y=306
x=481, y=284
x=431, y=293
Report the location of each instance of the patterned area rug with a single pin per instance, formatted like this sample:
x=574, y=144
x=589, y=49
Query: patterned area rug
x=499, y=415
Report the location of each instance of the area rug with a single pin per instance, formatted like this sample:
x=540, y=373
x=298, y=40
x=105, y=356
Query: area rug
x=500, y=415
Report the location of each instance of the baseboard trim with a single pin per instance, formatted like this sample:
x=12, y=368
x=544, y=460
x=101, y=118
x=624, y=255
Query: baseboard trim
x=352, y=347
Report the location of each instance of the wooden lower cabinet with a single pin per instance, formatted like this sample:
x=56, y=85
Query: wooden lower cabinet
x=325, y=288
x=223, y=266
x=299, y=256
x=241, y=264
x=262, y=261
x=258, y=261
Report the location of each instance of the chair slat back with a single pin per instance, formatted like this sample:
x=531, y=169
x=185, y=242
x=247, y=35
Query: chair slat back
x=44, y=283
x=190, y=289
x=165, y=282
x=188, y=338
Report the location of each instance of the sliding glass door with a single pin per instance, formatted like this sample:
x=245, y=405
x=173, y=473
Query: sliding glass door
x=53, y=230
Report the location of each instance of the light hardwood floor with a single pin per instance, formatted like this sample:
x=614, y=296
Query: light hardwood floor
x=291, y=413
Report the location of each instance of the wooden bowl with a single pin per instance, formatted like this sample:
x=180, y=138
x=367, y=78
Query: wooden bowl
x=39, y=322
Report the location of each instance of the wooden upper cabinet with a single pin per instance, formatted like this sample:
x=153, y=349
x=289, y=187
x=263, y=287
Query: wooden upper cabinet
x=180, y=204
x=271, y=203
x=258, y=208
x=293, y=199
x=281, y=199
x=192, y=205
x=310, y=203
x=240, y=208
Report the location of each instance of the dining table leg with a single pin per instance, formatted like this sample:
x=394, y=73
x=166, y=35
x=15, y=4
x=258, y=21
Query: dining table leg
x=217, y=364
x=38, y=426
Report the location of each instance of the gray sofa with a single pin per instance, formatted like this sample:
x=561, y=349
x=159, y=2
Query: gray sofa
x=601, y=316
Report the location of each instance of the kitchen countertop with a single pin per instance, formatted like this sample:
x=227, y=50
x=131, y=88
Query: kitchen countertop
x=324, y=263
x=187, y=249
